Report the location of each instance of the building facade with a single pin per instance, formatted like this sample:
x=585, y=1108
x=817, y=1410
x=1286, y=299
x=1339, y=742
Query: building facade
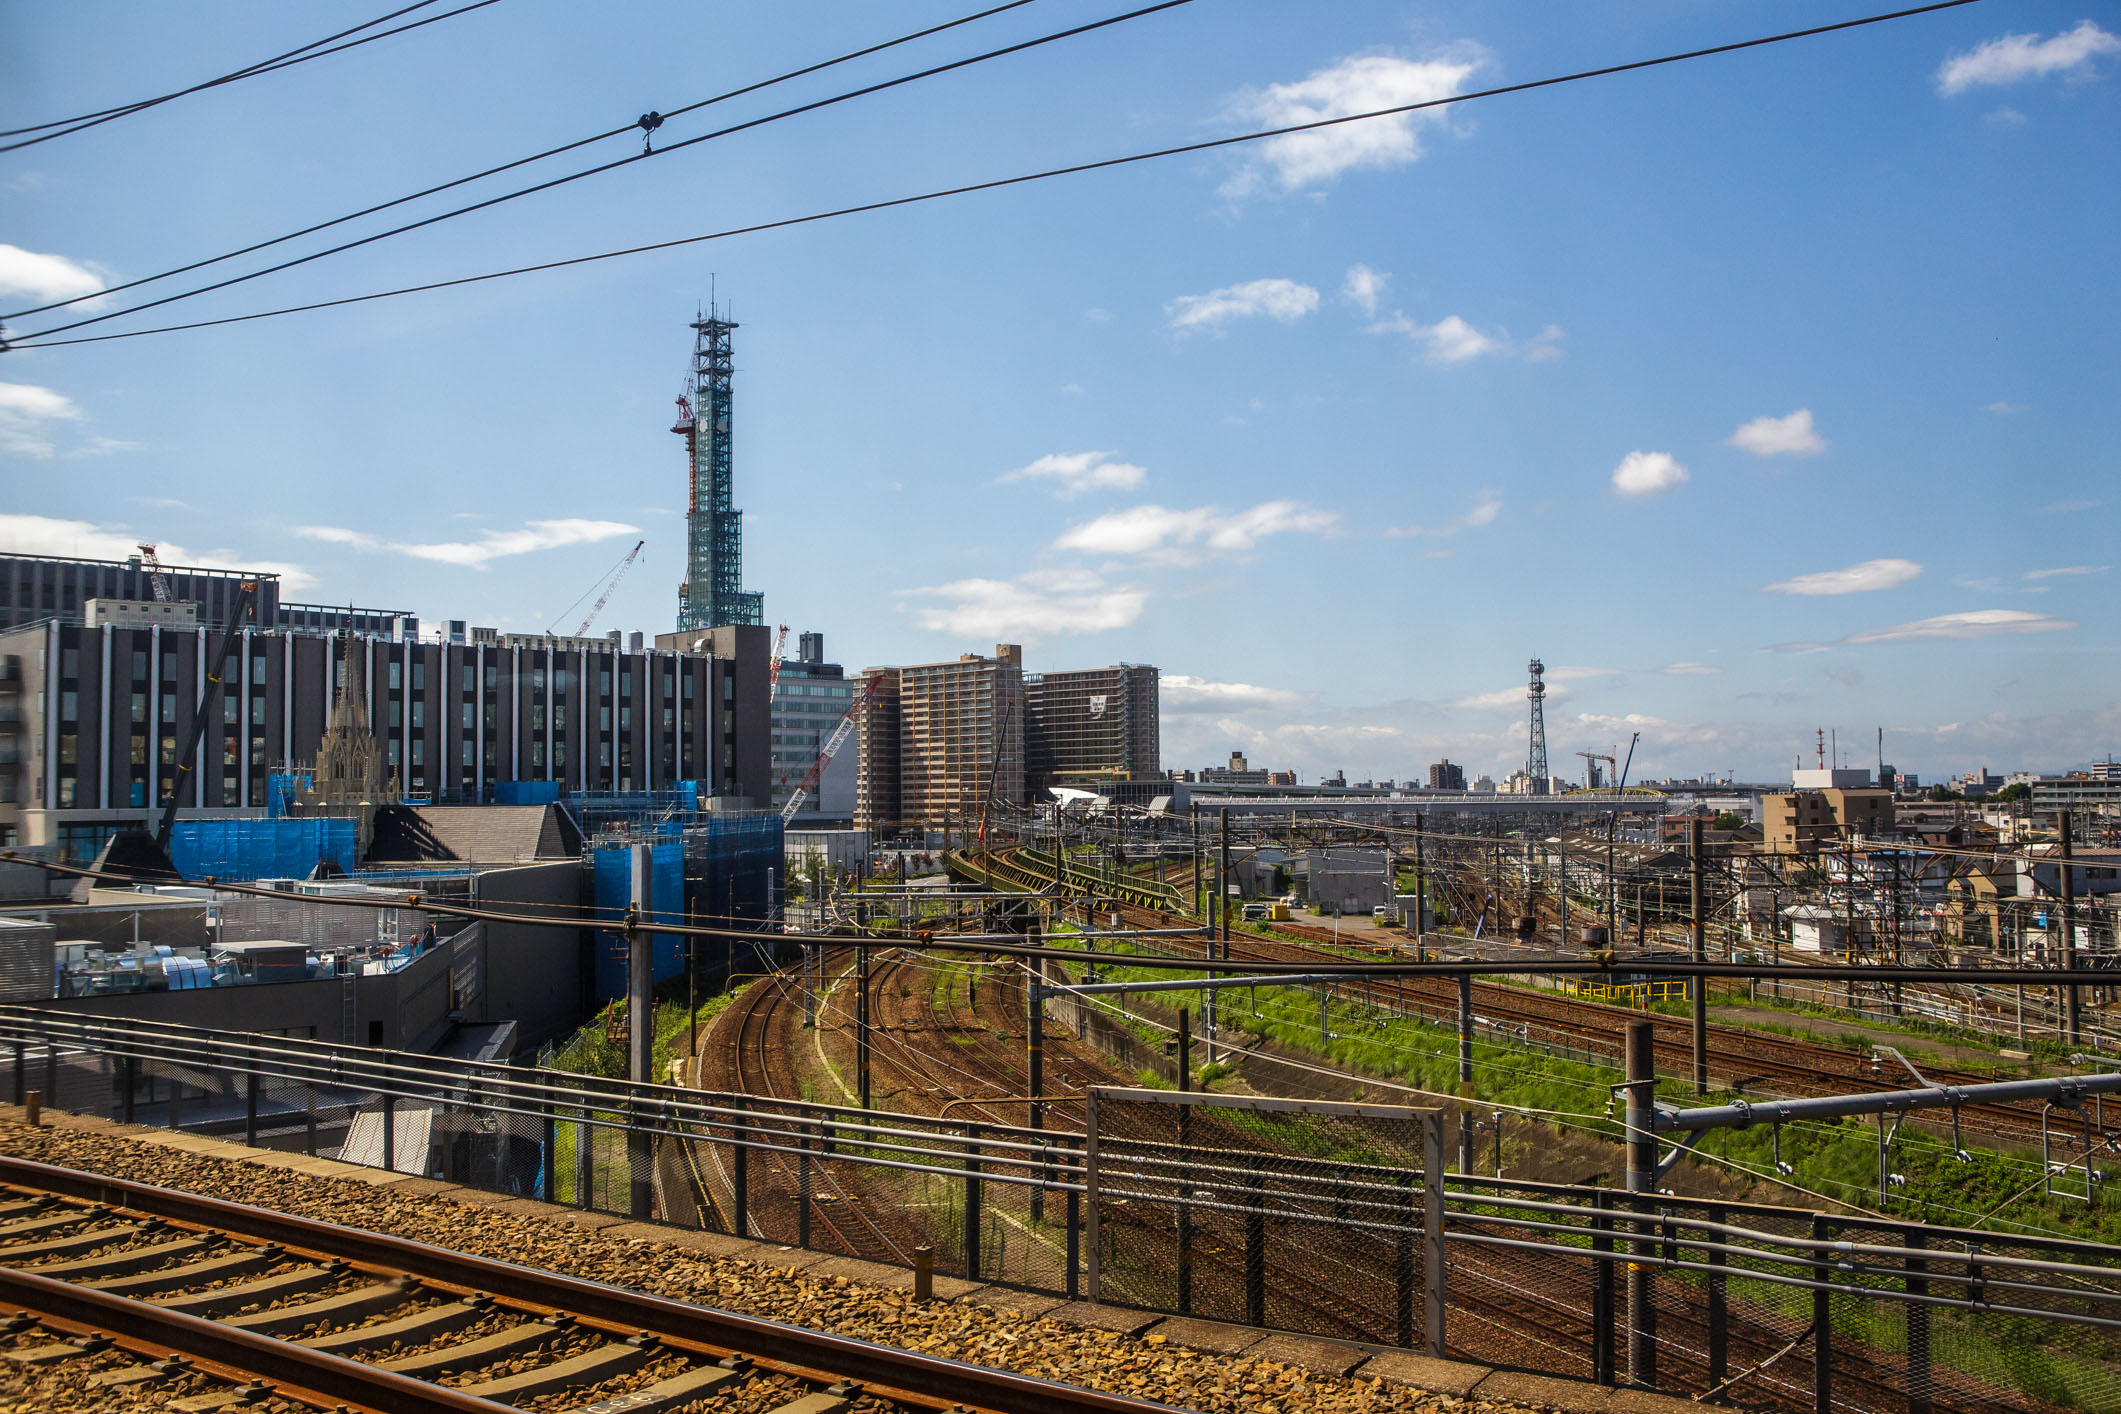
x=1443, y=775
x=92, y=719
x=34, y=587
x=1806, y=821
x=956, y=730
x=810, y=701
x=1091, y=724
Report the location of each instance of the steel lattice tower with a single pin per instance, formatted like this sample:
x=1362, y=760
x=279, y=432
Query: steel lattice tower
x=713, y=592
x=1536, y=766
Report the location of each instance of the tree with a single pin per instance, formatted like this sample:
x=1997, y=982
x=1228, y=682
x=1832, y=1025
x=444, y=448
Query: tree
x=1728, y=820
x=2017, y=790
x=1942, y=793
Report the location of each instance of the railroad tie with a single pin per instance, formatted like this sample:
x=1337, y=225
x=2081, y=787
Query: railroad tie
x=361, y=1302
x=248, y=1262
x=16, y=1256
x=591, y=1367
x=129, y=1260
x=472, y=1354
x=416, y=1329
x=52, y=1354
x=824, y=1402
x=36, y=1227
x=222, y=1300
x=668, y=1394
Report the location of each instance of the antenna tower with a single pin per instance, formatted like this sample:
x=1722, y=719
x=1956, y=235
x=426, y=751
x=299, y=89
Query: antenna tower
x=1536, y=764
x=713, y=592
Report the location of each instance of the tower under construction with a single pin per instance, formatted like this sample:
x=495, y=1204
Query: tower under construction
x=713, y=592
x=1536, y=764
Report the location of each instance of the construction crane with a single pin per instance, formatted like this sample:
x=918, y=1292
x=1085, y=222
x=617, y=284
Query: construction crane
x=604, y=598
x=773, y=664
x=1590, y=766
x=155, y=578
x=832, y=745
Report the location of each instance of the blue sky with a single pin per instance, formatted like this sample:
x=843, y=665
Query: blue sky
x=1754, y=394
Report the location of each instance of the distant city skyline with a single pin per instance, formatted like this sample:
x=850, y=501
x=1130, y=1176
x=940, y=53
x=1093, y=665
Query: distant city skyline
x=1749, y=416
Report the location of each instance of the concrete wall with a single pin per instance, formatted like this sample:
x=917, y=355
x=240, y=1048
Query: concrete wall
x=535, y=977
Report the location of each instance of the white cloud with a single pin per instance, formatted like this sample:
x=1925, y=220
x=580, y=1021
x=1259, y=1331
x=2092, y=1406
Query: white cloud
x=2017, y=57
x=1452, y=340
x=1069, y=474
x=2067, y=570
x=477, y=554
x=1545, y=346
x=1360, y=84
x=1508, y=699
x=1182, y=693
x=1277, y=299
x=28, y=415
x=2005, y=117
x=1363, y=287
x=1179, y=535
x=1031, y=607
x=1633, y=721
x=1483, y=513
x=44, y=278
x=81, y=539
x=1690, y=670
x=2005, y=409
x=1856, y=579
x=1647, y=473
x=1791, y=436
x=1974, y=623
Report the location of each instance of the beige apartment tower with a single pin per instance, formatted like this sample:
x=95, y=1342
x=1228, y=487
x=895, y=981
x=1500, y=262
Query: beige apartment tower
x=942, y=744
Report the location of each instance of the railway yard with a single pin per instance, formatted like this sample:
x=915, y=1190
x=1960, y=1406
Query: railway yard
x=877, y=1183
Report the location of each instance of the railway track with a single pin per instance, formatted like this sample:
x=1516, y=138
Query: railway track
x=157, y=1285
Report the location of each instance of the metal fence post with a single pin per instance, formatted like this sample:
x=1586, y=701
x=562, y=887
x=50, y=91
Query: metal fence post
x=1822, y=1321
x=1403, y=1266
x=1603, y=1363
x=1256, y=1247
x=585, y=1140
x=1090, y=1221
x=1918, y=1326
x=802, y=1179
x=548, y=1149
x=176, y=1096
x=51, y=1081
x=250, y=1109
x=1642, y=1168
x=1433, y=1296
x=740, y=1178
x=390, y=1133
x=310, y=1116
x=972, y=1202
x=1075, y=1243
x=132, y=1088
x=21, y=1079
x=1719, y=1315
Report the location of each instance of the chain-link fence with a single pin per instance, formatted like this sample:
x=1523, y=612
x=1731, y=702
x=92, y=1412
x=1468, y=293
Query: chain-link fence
x=1323, y=1218
x=1305, y=1215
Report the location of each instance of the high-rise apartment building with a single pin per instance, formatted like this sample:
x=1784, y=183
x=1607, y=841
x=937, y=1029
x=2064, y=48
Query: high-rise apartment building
x=956, y=731
x=1090, y=724
x=1443, y=775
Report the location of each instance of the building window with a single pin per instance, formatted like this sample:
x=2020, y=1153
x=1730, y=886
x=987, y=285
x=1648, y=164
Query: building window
x=169, y=708
x=419, y=713
x=257, y=711
x=470, y=717
x=69, y=662
x=419, y=674
x=396, y=675
x=471, y=677
x=69, y=704
x=139, y=665
x=257, y=669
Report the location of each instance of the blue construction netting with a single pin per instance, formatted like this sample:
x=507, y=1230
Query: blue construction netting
x=263, y=849
x=526, y=792
x=281, y=788
x=721, y=871
x=612, y=867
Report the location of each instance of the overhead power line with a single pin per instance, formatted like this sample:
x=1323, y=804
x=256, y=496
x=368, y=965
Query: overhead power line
x=994, y=184
x=302, y=55
x=522, y=161
x=641, y=156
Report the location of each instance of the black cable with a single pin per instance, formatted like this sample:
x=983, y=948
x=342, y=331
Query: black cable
x=1001, y=182
x=267, y=66
x=642, y=156
x=526, y=161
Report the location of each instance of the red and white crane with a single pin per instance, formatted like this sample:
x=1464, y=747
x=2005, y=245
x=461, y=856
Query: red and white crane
x=605, y=598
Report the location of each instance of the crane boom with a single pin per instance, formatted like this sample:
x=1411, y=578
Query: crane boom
x=616, y=575
x=831, y=747
x=155, y=580
x=773, y=664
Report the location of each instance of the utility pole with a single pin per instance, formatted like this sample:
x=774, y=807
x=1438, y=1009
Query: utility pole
x=861, y=1024
x=1698, y=928
x=1421, y=888
x=2072, y=1004
x=640, y=1027
x=1222, y=885
x=1642, y=1181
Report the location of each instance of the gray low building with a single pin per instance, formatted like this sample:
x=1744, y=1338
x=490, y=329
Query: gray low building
x=1349, y=880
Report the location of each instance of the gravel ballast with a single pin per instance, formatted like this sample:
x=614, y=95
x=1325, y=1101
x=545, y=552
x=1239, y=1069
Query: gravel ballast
x=1148, y=1366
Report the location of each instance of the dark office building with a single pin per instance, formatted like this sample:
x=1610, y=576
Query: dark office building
x=1445, y=776
x=34, y=587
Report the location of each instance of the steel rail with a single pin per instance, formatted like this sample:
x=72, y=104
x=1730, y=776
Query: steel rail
x=818, y=1355
x=311, y=1376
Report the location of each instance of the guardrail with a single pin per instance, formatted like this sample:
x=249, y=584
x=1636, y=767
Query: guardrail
x=1801, y=1309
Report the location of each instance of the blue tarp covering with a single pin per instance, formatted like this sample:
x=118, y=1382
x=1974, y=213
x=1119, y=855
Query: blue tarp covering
x=262, y=849
x=526, y=792
x=666, y=893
